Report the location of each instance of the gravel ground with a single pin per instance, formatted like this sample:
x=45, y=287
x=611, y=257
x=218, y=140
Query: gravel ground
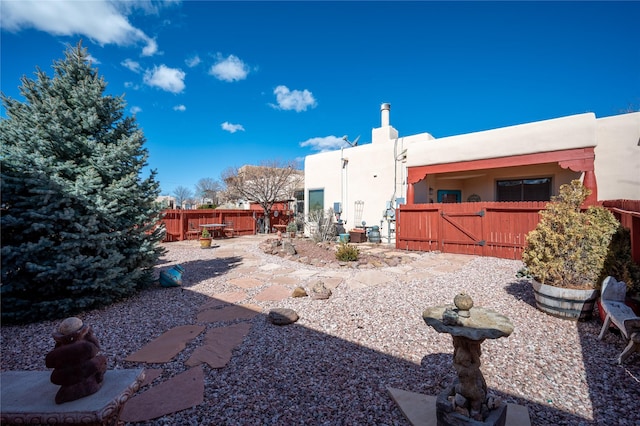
x=333, y=366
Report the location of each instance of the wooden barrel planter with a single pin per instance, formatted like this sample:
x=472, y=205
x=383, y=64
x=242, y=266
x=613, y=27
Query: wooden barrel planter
x=565, y=303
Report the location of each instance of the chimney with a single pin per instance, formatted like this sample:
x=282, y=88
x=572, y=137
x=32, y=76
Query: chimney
x=384, y=109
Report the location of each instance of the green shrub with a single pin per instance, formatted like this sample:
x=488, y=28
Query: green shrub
x=569, y=246
x=347, y=253
x=620, y=264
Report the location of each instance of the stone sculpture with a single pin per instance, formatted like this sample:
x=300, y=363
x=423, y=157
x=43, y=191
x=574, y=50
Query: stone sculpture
x=466, y=401
x=77, y=367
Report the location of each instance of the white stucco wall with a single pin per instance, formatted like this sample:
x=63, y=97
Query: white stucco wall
x=576, y=131
x=369, y=176
x=617, y=160
x=376, y=174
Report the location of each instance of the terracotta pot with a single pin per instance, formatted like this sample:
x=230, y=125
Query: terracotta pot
x=205, y=242
x=565, y=303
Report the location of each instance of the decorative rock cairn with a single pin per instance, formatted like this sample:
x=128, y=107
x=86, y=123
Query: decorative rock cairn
x=466, y=401
x=78, y=368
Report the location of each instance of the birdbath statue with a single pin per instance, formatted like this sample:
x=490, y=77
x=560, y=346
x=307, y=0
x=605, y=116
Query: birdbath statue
x=466, y=401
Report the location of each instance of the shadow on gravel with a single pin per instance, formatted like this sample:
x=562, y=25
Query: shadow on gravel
x=293, y=374
x=603, y=376
x=606, y=378
x=200, y=270
x=521, y=290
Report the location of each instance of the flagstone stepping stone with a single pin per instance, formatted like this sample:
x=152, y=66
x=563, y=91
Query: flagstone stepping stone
x=332, y=282
x=270, y=267
x=167, y=345
x=230, y=313
x=274, y=292
x=284, y=279
x=183, y=391
x=370, y=278
x=222, y=299
x=219, y=344
x=246, y=282
x=303, y=273
x=150, y=374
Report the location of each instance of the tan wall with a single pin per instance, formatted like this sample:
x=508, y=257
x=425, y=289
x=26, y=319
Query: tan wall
x=617, y=161
x=576, y=131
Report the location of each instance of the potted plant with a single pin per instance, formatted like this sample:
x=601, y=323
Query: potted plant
x=292, y=228
x=566, y=252
x=205, y=238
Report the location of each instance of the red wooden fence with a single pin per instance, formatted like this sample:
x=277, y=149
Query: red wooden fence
x=628, y=213
x=178, y=223
x=495, y=229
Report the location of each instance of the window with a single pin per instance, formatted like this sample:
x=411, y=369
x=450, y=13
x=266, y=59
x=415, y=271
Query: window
x=449, y=195
x=316, y=199
x=524, y=190
x=299, y=196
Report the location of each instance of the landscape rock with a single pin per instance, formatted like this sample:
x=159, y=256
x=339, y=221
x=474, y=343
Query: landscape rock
x=319, y=291
x=282, y=316
x=299, y=292
x=288, y=248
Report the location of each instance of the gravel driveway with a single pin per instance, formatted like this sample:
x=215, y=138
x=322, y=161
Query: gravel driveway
x=333, y=366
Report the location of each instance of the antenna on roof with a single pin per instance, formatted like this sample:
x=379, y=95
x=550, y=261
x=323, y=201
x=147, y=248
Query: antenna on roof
x=354, y=143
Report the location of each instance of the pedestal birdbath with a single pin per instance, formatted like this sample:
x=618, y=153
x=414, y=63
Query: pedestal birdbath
x=466, y=401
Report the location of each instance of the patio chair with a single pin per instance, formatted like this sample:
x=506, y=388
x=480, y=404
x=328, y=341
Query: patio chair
x=229, y=229
x=193, y=231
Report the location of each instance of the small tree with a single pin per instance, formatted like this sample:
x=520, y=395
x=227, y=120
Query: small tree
x=265, y=184
x=79, y=225
x=207, y=188
x=182, y=195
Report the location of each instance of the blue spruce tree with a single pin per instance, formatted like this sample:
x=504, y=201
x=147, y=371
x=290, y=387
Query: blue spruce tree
x=80, y=227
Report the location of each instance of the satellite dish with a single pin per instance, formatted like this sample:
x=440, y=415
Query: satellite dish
x=354, y=143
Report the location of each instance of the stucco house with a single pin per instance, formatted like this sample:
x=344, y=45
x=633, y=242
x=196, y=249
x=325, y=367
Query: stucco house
x=516, y=163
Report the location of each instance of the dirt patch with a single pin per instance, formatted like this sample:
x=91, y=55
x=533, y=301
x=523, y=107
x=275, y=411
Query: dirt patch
x=324, y=254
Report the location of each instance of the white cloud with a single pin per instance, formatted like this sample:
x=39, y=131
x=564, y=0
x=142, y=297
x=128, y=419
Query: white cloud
x=93, y=60
x=327, y=143
x=229, y=69
x=132, y=65
x=135, y=109
x=193, y=61
x=179, y=108
x=165, y=78
x=231, y=128
x=296, y=100
x=102, y=21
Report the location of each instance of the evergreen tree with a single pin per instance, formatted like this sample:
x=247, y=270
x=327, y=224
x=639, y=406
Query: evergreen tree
x=80, y=228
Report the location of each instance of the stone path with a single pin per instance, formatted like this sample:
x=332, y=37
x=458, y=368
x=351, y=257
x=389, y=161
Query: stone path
x=250, y=274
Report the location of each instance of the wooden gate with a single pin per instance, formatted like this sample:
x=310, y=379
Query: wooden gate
x=495, y=229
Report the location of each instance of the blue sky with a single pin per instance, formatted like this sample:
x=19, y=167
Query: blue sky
x=222, y=84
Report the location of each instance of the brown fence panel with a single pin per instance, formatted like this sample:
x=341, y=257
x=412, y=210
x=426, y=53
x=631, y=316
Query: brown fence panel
x=181, y=224
x=484, y=229
x=628, y=213
x=417, y=228
x=507, y=225
x=496, y=229
x=461, y=225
